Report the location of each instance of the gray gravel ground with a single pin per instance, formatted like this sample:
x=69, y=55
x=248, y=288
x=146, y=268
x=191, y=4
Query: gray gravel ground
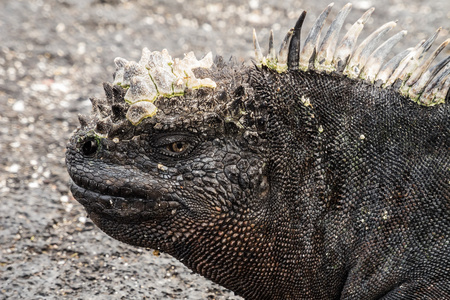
x=53, y=56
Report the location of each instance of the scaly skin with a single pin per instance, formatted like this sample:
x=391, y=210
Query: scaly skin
x=291, y=179
x=291, y=186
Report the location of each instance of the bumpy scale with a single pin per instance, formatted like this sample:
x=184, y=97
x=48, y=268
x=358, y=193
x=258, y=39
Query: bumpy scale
x=320, y=172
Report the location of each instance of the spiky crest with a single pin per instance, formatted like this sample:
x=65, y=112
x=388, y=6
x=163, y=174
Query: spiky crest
x=407, y=72
x=158, y=75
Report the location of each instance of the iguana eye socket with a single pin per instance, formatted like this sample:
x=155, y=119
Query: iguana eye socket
x=177, y=147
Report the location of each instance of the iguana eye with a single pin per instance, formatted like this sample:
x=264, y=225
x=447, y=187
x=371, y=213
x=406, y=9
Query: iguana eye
x=177, y=147
x=89, y=147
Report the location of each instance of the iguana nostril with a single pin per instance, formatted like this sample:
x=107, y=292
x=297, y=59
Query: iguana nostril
x=89, y=147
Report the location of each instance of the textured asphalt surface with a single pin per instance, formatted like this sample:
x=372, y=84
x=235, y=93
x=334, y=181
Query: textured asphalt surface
x=54, y=55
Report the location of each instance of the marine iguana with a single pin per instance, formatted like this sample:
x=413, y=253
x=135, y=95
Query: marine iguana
x=318, y=172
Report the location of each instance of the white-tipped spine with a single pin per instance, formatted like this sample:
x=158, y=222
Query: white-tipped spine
x=426, y=64
x=362, y=53
x=422, y=75
x=402, y=65
x=312, y=40
x=374, y=62
x=258, y=53
x=348, y=43
x=327, y=48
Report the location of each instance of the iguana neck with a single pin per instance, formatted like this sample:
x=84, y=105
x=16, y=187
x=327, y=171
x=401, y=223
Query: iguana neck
x=254, y=258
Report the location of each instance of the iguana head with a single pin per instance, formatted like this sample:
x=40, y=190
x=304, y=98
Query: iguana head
x=186, y=156
x=208, y=160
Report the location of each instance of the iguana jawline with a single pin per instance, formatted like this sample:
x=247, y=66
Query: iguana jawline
x=125, y=209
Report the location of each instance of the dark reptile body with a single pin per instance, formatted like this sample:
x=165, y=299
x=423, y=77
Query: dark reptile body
x=346, y=197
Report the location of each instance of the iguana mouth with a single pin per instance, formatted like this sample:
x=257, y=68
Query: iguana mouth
x=125, y=209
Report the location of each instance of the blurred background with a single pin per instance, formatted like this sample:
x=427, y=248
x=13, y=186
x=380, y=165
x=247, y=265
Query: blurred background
x=54, y=55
